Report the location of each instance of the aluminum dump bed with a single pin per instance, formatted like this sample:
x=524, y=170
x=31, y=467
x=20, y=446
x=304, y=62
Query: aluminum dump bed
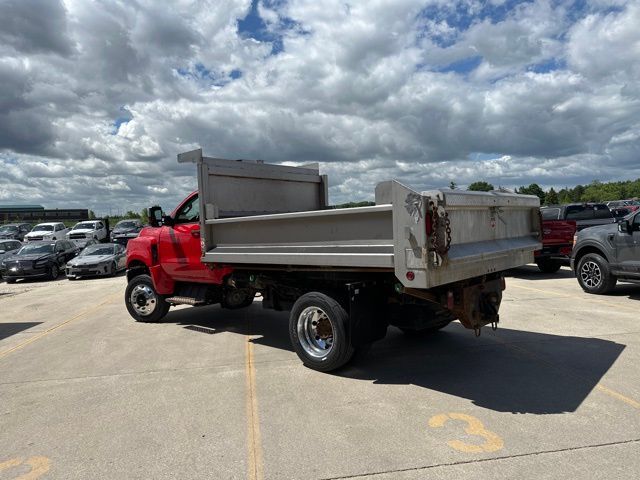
x=274, y=216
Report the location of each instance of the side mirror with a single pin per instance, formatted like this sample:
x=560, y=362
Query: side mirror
x=624, y=226
x=167, y=220
x=2, y=251
x=155, y=216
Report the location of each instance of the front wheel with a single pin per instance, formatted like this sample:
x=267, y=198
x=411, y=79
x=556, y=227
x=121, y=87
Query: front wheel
x=317, y=327
x=594, y=275
x=53, y=272
x=143, y=302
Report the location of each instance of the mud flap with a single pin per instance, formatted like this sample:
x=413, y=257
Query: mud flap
x=367, y=313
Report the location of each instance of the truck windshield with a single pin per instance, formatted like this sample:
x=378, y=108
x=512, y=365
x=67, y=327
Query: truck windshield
x=29, y=249
x=8, y=228
x=43, y=228
x=85, y=226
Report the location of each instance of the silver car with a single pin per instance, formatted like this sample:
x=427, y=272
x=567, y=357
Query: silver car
x=97, y=259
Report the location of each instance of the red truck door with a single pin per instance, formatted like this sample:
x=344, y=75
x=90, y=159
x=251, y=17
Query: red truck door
x=180, y=244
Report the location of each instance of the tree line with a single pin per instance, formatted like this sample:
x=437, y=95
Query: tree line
x=596, y=191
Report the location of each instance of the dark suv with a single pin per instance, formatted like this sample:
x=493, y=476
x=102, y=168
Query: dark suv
x=38, y=259
x=608, y=253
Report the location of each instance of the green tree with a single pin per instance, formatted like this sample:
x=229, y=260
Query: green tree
x=480, y=186
x=144, y=215
x=533, y=189
x=131, y=214
x=92, y=215
x=551, y=198
x=576, y=193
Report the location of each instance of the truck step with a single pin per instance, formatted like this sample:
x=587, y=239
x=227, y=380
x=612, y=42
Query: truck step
x=185, y=301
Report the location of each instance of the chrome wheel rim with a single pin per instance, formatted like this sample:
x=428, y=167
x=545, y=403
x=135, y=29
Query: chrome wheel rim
x=143, y=300
x=315, y=332
x=591, y=274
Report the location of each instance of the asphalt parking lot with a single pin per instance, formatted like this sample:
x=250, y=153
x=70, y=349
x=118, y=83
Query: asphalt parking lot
x=85, y=392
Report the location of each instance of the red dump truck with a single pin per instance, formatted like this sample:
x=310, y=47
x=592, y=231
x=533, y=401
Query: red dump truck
x=415, y=260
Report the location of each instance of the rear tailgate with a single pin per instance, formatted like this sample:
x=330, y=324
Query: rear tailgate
x=558, y=232
x=444, y=236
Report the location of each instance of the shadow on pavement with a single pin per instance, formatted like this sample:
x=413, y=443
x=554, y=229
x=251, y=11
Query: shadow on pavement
x=531, y=272
x=507, y=370
x=629, y=290
x=9, y=329
x=271, y=326
x=516, y=371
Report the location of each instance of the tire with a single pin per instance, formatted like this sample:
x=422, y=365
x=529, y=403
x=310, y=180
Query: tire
x=151, y=307
x=594, y=274
x=10, y=280
x=53, y=272
x=114, y=270
x=549, y=266
x=328, y=348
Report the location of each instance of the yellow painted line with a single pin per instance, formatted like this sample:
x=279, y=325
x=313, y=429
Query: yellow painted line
x=39, y=466
x=619, y=396
x=47, y=332
x=254, y=442
x=564, y=295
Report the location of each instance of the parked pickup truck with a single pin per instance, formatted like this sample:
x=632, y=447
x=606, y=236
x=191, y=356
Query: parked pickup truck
x=47, y=231
x=88, y=232
x=584, y=214
x=416, y=260
x=557, y=242
x=603, y=255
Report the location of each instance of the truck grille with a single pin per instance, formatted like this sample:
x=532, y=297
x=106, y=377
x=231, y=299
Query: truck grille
x=77, y=236
x=35, y=239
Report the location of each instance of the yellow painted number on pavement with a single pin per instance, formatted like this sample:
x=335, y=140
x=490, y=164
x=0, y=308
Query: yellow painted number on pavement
x=39, y=466
x=492, y=441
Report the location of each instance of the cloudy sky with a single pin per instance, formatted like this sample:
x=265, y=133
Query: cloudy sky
x=97, y=97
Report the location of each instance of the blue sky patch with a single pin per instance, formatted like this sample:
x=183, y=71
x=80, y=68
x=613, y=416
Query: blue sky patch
x=124, y=117
x=463, y=67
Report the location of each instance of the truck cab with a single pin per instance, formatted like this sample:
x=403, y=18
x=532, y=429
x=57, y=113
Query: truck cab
x=170, y=251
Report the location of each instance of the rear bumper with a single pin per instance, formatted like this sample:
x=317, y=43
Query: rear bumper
x=561, y=254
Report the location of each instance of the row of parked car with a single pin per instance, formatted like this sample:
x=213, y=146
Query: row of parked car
x=50, y=258
x=81, y=234
x=599, y=245
x=49, y=249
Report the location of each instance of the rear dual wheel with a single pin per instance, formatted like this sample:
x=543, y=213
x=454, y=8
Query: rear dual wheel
x=318, y=332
